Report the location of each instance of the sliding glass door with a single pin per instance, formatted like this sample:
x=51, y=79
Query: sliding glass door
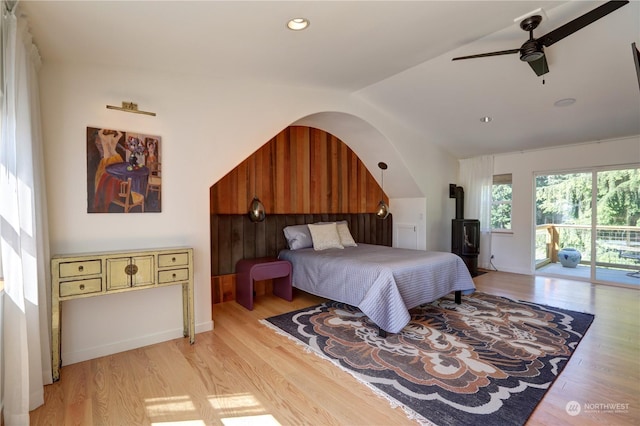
x=588, y=225
x=617, y=226
x=563, y=222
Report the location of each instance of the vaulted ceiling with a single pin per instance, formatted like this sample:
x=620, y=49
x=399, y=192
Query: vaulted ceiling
x=395, y=55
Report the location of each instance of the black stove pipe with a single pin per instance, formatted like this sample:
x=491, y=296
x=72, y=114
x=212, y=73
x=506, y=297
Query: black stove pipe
x=458, y=193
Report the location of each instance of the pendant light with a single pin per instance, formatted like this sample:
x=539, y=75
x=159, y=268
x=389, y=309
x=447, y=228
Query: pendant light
x=383, y=208
x=257, y=212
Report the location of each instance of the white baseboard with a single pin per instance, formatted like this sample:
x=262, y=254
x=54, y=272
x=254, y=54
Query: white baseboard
x=514, y=270
x=126, y=345
x=205, y=326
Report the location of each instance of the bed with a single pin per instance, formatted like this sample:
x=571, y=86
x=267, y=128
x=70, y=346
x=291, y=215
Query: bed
x=383, y=282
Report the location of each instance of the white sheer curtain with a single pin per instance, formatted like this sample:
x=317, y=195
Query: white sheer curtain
x=23, y=227
x=476, y=178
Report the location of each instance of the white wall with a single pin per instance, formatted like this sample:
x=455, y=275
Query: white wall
x=409, y=212
x=207, y=128
x=514, y=251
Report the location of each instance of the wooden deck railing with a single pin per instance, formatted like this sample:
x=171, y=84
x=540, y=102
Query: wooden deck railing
x=616, y=246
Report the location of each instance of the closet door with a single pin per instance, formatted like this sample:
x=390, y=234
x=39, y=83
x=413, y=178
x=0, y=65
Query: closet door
x=407, y=236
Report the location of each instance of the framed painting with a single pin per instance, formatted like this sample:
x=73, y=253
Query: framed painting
x=124, y=172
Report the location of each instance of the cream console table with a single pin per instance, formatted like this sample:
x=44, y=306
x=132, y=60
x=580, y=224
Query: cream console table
x=97, y=274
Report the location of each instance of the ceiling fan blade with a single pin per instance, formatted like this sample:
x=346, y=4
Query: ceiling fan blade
x=580, y=22
x=540, y=66
x=482, y=55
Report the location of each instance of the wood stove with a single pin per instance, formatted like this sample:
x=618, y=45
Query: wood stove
x=465, y=233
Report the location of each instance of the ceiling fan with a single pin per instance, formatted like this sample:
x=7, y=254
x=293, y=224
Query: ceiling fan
x=532, y=51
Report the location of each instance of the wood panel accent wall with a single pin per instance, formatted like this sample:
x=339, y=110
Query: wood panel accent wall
x=301, y=170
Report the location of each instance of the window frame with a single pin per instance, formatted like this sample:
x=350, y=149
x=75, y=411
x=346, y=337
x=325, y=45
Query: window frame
x=502, y=179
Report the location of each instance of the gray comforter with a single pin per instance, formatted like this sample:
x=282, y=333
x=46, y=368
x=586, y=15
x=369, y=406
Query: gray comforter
x=383, y=282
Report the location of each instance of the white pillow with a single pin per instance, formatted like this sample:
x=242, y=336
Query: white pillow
x=325, y=236
x=346, y=239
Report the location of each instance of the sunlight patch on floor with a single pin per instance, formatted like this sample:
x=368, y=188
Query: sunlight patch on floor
x=237, y=404
x=167, y=407
x=263, y=420
x=231, y=410
x=241, y=409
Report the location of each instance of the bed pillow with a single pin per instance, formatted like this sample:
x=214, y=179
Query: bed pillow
x=298, y=237
x=325, y=236
x=346, y=239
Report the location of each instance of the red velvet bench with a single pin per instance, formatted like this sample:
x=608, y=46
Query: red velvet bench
x=265, y=268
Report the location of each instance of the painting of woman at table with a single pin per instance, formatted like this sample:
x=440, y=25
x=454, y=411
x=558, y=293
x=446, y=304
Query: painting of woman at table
x=113, y=157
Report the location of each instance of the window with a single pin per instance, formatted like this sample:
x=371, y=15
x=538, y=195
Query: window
x=501, y=202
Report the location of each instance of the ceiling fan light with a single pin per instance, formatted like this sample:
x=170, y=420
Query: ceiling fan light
x=531, y=51
x=531, y=56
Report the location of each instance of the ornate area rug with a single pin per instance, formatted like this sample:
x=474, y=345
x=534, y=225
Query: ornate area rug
x=488, y=361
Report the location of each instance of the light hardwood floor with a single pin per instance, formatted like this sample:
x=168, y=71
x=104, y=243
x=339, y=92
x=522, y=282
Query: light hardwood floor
x=244, y=373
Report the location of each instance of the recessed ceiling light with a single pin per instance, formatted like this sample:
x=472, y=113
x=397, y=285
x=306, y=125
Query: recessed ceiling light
x=486, y=119
x=297, y=24
x=565, y=102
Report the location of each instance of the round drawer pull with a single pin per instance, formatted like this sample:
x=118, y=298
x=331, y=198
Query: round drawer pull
x=80, y=268
x=131, y=269
x=81, y=286
x=173, y=259
x=174, y=276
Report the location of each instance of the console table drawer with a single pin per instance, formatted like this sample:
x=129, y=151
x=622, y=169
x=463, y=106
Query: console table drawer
x=173, y=259
x=82, y=268
x=74, y=288
x=176, y=275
